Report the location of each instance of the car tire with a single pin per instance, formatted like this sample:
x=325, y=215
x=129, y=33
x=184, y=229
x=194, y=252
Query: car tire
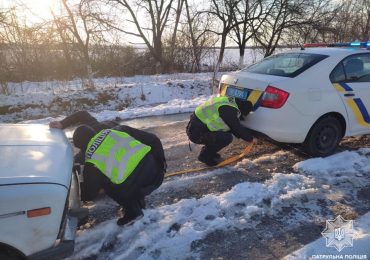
x=324, y=137
x=6, y=254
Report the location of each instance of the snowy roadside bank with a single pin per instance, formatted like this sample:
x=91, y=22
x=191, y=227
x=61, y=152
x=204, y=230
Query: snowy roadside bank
x=175, y=106
x=117, y=97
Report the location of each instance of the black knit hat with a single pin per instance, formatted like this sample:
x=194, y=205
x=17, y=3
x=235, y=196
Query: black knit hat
x=82, y=136
x=245, y=106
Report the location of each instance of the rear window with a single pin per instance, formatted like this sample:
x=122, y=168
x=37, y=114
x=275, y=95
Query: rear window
x=286, y=65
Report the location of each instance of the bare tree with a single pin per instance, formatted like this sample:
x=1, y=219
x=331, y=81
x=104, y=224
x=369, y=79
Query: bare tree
x=352, y=21
x=281, y=15
x=2, y=16
x=333, y=21
x=17, y=38
x=24, y=48
x=3, y=64
x=81, y=22
x=178, y=11
x=158, y=13
x=194, y=42
x=246, y=12
x=3, y=22
x=66, y=39
x=366, y=21
x=224, y=11
x=177, y=33
x=197, y=32
x=318, y=20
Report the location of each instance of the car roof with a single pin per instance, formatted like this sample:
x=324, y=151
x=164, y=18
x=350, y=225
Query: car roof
x=330, y=51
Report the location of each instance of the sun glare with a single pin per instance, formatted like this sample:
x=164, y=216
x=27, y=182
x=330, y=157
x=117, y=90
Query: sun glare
x=34, y=10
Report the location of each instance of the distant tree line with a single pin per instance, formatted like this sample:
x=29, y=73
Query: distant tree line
x=86, y=38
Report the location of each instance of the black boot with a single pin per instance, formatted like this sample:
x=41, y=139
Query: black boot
x=208, y=159
x=217, y=157
x=132, y=212
x=142, y=203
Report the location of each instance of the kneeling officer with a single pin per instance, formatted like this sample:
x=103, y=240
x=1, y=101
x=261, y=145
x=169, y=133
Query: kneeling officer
x=127, y=163
x=213, y=124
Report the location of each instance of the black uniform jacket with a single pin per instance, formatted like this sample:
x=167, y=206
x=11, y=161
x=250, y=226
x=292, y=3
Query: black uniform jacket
x=94, y=180
x=229, y=115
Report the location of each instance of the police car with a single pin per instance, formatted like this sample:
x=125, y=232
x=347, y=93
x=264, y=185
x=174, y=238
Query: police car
x=314, y=96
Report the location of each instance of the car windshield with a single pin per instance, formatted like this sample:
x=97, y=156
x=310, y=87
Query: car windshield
x=286, y=65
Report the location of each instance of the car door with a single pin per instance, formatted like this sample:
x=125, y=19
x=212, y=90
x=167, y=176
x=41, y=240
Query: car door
x=351, y=78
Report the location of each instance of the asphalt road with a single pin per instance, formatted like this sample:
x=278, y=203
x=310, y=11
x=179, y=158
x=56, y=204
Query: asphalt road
x=267, y=236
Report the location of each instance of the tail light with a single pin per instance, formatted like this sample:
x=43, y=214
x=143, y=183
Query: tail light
x=274, y=97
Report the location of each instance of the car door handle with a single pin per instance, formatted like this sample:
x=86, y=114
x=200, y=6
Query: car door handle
x=349, y=95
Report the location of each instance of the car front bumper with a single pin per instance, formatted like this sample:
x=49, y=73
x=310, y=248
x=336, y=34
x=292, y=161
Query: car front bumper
x=65, y=246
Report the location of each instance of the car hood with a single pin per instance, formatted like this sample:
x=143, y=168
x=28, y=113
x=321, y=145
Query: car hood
x=34, y=154
x=249, y=80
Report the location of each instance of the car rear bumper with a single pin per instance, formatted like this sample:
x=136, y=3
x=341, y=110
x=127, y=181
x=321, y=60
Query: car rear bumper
x=283, y=125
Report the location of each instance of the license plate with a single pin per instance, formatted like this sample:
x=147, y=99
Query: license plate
x=236, y=92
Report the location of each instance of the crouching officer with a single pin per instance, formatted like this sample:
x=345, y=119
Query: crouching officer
x=121, y=161
x=213, y=124
x=127, y=163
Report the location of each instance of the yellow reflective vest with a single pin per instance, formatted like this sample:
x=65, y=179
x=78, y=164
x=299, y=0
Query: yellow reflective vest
x=209, y=115
x=116, y=154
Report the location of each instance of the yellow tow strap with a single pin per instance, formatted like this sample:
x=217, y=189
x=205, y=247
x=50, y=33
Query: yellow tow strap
x=228, y=161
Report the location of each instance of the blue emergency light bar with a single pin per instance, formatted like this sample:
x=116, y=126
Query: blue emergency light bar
x=345, y=44
x=355, y=44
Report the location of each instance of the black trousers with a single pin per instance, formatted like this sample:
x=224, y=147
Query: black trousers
x=146, y=178
x=213, y=141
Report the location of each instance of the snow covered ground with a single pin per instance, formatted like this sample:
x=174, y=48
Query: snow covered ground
x=172, y=231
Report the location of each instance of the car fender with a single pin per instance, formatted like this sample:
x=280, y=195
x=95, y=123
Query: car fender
x=37, y=233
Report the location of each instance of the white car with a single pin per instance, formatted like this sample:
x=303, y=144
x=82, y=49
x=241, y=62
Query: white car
x=39, y=194
x=313, y=96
